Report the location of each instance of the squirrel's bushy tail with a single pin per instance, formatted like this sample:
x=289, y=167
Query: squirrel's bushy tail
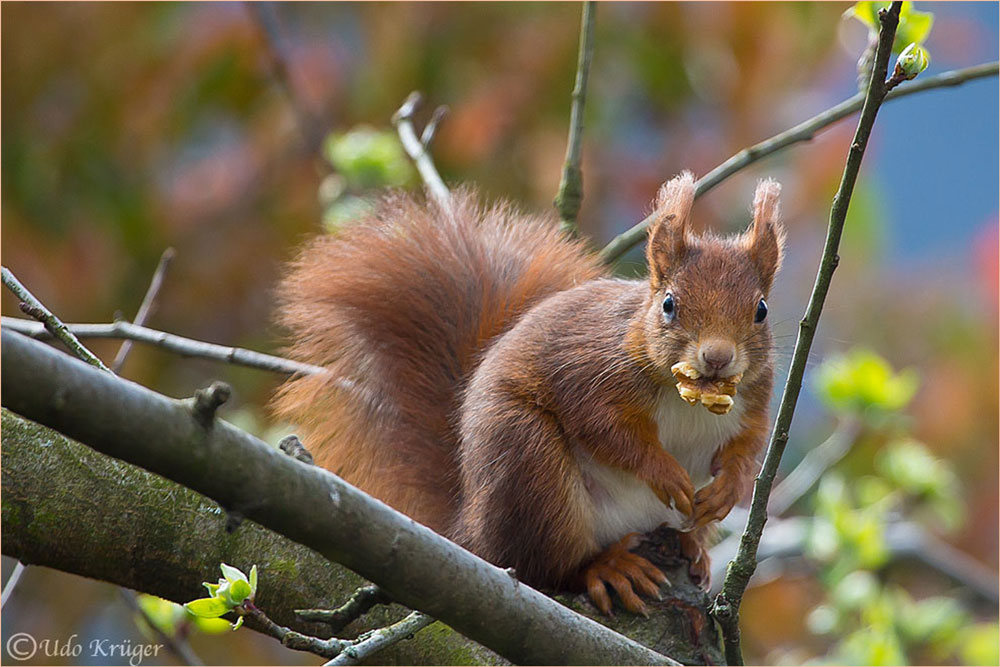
x=399, y=308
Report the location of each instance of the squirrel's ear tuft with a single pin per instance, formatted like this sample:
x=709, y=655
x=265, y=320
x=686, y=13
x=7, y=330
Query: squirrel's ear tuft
x=668, y=234
x=766, y=237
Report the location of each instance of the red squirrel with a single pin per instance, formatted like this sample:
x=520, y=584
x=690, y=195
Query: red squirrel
x=489, y=378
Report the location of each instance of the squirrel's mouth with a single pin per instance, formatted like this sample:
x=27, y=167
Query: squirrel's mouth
x=715, y=393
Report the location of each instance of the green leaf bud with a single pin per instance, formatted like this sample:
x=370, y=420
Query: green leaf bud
x=911, y=62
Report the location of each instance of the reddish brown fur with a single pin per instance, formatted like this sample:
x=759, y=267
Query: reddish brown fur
x=399, y=307
x=474, y=360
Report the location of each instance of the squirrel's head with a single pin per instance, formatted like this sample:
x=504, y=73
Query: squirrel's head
x=708, y=295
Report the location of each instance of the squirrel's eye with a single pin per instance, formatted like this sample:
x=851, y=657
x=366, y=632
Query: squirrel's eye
x=669, y=308
x=761, y=311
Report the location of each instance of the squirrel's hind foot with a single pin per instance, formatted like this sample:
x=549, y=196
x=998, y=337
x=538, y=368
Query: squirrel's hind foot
x=624, y=572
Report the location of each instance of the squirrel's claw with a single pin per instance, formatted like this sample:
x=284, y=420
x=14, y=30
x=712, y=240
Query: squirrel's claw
x=693, y=548
x=715, y=501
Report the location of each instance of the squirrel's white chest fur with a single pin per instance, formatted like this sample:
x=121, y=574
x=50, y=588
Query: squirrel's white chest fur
x=621, y=503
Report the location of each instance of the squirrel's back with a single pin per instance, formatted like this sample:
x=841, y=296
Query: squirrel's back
x=400, y=307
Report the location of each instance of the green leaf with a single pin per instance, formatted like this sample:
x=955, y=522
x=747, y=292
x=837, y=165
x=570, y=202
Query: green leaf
x=368, y=158
x=239, y=591
x=933, y=620
x=856, y=590
x=871, y=489
x=866, y=12
x=237, y=624
x=913, y=26
x=869, y=539
x=212, y=626
x=910, y=465
x=231, y=573
x=212, y=588
x=860, y=380
x=980, y=645
x=208, y=607
x=253, y=581
x=163, y=614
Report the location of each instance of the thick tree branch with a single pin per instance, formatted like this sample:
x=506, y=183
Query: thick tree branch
x=570, y=193
x=414, y=565
x=68, y=507
x=802, y=132
x=727, y=603
x=186, y=347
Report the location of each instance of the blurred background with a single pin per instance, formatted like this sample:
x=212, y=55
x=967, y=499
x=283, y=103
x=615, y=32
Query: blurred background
x=233, y=132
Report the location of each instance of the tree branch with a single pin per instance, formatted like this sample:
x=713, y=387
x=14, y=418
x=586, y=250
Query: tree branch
x=727, y=603
x=570, y=193
x=47, y=321
x=187, y=347
x=363, y=599
x=414, y=565
x=802, y=132
x=146, y=308
x=376, y=640
x=67, y=507
x=417, y=149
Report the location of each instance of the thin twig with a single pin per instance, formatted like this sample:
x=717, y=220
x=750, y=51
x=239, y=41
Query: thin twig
x=570, y=193
x=418, y=150
x=174, y=644
x=726, y=606
x=360, y=603
x=33, y=307
x=11, y=584
x=325, y=648
x=802, y=132
x=376, y=640
x=427, y=136
x=187, y=347
x=146, y=308
x=265, y=17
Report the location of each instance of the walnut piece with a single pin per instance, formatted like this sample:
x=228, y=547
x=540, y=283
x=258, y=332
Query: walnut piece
x=716, y=394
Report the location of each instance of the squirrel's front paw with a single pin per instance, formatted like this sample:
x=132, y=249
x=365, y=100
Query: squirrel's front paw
x=624, y=572
x=714, y=502
x=677, y=488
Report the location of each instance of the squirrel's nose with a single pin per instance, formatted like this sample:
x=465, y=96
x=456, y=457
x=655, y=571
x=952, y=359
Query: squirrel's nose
x=716, y=354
